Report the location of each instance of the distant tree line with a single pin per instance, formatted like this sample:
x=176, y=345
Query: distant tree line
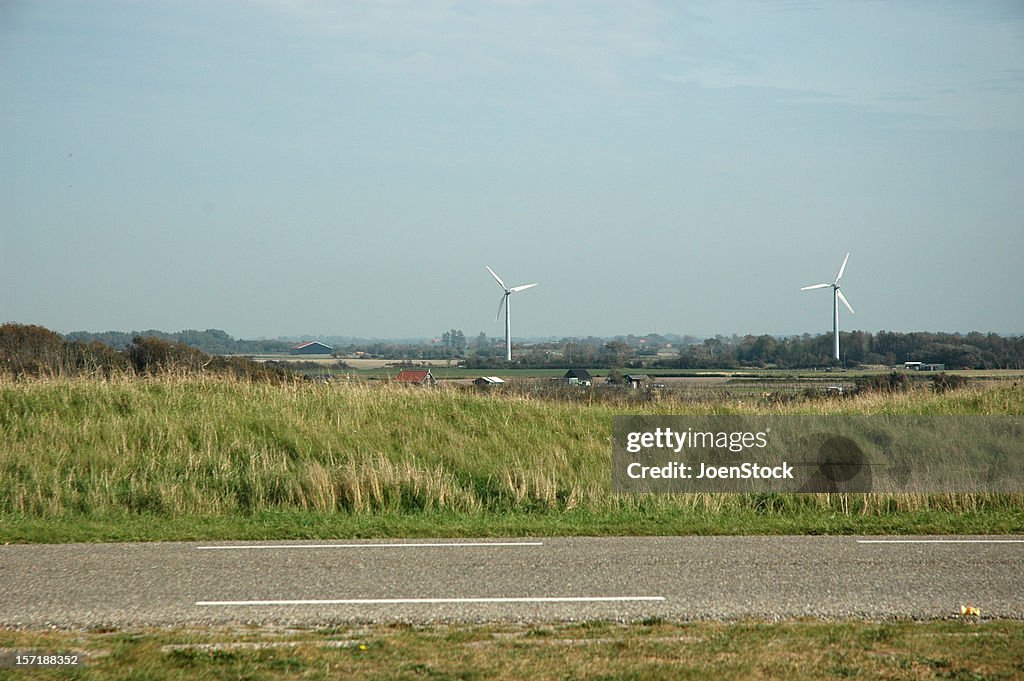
x=211, y=341
x=30, y=350
x=889, y=348
x=858, y=348
x=24, y=345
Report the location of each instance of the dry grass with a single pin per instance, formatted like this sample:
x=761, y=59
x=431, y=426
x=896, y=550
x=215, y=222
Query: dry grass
x=601, y=650
x=173, y=446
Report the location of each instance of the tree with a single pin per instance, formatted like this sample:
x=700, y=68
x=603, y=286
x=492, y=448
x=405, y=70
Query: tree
x=616, y=352
x=459, y=343
x=32, y=350
x=152, y=355
x=482, y=345
x=615, y=376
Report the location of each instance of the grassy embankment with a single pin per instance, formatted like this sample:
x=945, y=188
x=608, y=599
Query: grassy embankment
x=601, y=650
x=171, y=458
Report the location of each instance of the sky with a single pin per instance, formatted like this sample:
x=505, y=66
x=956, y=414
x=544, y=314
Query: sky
x=286, y=167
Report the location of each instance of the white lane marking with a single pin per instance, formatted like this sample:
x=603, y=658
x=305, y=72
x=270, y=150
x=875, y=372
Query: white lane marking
x=940, y=541
x=432, y=601
x=242, y=547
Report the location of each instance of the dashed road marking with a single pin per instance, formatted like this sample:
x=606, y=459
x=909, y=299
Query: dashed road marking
x=436, y=601
x=405, y=545
x=940, y=541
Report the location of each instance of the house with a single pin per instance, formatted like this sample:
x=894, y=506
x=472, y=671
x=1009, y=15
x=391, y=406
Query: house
x=488, y=381
x=415, y=377
x=578, y=377
x=311, y=348
x=635, y=381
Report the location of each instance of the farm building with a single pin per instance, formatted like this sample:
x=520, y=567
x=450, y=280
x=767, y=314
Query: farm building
x=578, y=377
x=923, y=366
x=311, y=348
x=415, y=377
x=488, y=381
x=636, y=380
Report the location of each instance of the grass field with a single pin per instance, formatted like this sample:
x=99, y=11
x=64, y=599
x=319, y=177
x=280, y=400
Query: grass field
x=187, y=458
x=597, y=650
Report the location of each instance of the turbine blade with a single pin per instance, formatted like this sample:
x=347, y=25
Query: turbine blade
x=845, y=301
x=521, y=288
x=842, y=268
x=808, y=288
x=498, y=316
x=497, y=278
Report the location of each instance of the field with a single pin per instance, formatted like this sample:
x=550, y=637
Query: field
x=203, y=458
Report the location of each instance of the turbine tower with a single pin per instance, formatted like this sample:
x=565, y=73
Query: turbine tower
x=504, y=301
x=837, y=295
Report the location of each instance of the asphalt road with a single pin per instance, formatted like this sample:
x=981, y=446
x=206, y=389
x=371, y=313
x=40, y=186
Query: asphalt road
x=507, y=580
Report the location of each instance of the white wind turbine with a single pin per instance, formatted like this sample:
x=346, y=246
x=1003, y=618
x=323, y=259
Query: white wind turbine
x=504, y=301
x=837, y=295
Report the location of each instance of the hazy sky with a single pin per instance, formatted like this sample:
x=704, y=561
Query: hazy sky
x=287, y=167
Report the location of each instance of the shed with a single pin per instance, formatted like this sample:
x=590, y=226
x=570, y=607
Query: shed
x=487, y=381
x=578, y=377
x=415, y=377
x=636, y=380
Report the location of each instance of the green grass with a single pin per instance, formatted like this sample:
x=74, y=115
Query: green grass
x=1006, y=518
x=175, y=458
x=596, y=650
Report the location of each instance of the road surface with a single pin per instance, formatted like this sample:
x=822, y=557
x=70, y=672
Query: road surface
x=508, y=580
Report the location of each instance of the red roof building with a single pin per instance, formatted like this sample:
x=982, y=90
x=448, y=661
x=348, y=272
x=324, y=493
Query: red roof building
x=415, y=377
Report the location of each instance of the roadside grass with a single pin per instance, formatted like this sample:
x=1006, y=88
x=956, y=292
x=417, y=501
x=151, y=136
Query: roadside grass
x=283, y=525
x=599, y=650
x=186, y=458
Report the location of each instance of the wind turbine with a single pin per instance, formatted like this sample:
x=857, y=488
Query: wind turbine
x=504, y=301
x=837, y=295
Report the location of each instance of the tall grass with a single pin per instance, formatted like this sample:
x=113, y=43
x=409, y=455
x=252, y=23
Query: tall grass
x=172, y=446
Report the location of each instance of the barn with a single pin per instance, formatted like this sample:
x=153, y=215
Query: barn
x=311, y=348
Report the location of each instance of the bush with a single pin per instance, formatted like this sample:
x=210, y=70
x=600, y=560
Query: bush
x=246, y=369
x=30, y=350
x=893, y=382
x=152, y=356
x=945, y=382
x=95, y=358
